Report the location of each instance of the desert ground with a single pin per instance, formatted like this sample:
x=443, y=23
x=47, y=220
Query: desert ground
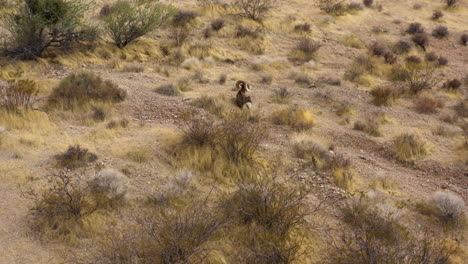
x=314, y=129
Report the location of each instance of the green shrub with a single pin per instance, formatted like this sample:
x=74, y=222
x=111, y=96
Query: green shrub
x=36, y=25
x=132, y=20
x=79, y=89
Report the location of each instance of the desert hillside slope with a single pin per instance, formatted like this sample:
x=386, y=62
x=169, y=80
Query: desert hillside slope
x=354, y=148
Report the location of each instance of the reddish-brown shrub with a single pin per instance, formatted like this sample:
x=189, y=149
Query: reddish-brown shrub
x=415, y=28
x=427, y=105
x=440, y=32
x=421, y=40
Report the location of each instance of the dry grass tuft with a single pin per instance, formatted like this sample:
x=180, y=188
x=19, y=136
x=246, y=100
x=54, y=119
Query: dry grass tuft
x=295, y=117
x=408, y=148
x=370, y=126
x=385, y=95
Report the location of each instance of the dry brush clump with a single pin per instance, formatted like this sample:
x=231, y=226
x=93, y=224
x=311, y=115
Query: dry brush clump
x=427, y=104
x=306, y=49
x=417, y=76
x=440, y=32
x=75, y=157
x=385, y=95
x=161, y=236
x=408, y=148
x=295, y=117
x=80, y=89
x=370, y=126
x=375, y=233
x=282, y=96
x=449, y=208
x=18, y=95
x=452, y=85
x=254, y=9
x=437, y=15
x=273, y=216
x=228, y=149
x=60, y=208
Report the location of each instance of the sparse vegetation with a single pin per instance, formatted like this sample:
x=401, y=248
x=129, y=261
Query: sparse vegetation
x=408, y=148
x=451, y=3
x=295, y=117
x=449, y=207
x=402, y=46
x=305, y=27
x=440, y=32
x=306, y=49
x=79, y=89
x=427, y=105
x=75, y=157
x=385, y=95
x=282, y=96
x=254, y=9
x=464, y=39
x=368, y=3
x=334, y=7
x=369, y=126
x=415, y=28
x=452, y=85
x=421, y=40
x=132, y=20
x=437, y=15
x=18, y=95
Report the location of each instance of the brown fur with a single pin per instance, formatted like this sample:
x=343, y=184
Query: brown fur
x=243, y=98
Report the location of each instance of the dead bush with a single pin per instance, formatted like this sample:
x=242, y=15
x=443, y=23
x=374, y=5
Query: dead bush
x=442, y=61
x=18, y=95
x=267, y=79
x=431, y=57
x=334, y=7
x=452, y=85
x=261, y=247
x=60, y=208
x=437, y=15
x=183, y=17
x=75, y=157
x=450, y=3
x=369, y=126
x=462, y=108
x=378, y=48
x=427, y=105
x=385, y=95
x=79, y=89
x=110, y=187
x=217, y=24
x=440, y=32
x=239, y=139
x=402, y=46
x=413, y=59
x=105, y=10
x=306, y=49
x=254, y=9
x=304, y=27
x=168, y=89
x=313, y=152
x=418, y=77
x=276, y=207
x=375, y=233
x=214, y=105
x=421, y=40
x=449, y=207
x=282, y=96
x=222, y=78
x=368, y=3
x=464, y=39
x=415, y=28
x=243, y=31
x=390, y=58
x=295, y=117
x=197, y=129
x=167, y=236
x=408, y=148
